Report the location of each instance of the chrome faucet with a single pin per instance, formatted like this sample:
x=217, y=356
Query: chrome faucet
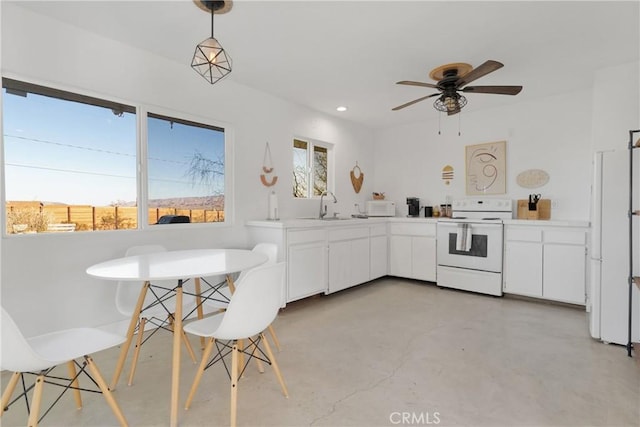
x=326, y=193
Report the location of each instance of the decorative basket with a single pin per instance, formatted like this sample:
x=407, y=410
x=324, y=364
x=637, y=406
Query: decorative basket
x=378, y=196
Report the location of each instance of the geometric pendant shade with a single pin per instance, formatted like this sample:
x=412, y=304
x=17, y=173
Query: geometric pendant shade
x=210, y=60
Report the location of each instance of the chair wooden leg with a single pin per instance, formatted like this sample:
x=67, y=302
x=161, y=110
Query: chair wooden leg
x=35, y=404
x=240, y=344
x=132, y=327
x=272, y=332
x=8, y=392
x=203, y=364
x=71, y=367
x=136, y=352
x=105, y=391
x=231, y=284
x=187, y=344
x=274, y=363
x=259, y=364
x=234, y=384
x=199, y=306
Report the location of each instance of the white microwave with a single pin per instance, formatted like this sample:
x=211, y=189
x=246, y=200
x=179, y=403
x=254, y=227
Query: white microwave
x=381, y=208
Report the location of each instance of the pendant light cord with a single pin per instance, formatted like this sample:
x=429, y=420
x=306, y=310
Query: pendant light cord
x=212, y=23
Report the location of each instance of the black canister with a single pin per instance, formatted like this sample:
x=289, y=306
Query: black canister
x=428, y=211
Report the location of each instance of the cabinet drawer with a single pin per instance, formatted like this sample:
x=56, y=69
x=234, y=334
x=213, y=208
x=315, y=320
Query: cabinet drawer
x=348, y=233
x=413, y=229
x=571, y=237
x=523, y=234
x=304, y=236
x=378, y=230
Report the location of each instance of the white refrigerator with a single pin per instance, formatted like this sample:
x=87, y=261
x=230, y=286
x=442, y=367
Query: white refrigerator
x=608, y=296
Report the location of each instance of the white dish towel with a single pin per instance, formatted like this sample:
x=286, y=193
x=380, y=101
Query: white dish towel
x=463, y=240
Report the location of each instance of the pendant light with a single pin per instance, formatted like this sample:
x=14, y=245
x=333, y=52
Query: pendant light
x=210, y=60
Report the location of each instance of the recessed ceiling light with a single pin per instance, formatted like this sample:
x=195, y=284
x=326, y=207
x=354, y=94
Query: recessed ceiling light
x=342, y=108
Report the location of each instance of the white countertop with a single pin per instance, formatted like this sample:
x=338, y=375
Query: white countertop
x=547, y=222
x=312, y=223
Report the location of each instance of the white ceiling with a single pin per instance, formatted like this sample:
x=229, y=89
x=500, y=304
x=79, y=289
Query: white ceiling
x=328, y=53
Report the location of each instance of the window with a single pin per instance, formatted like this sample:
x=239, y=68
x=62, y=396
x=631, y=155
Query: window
x=71, y=164
x=186, y=171
x=311, y=168
x=69, y=161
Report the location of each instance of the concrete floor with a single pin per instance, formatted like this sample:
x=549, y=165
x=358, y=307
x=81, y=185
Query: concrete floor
x=394, y=352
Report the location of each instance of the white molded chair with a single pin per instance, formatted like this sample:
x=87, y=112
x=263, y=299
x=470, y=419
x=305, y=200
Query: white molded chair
x=223, y=293
x=158, y=307
x=38, y=356
x=253, y=307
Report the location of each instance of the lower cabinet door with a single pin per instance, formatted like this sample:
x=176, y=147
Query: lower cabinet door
x=307, y=265
x=400, y=256
x=564, y=273
x=339, y=266
x=360, y=261
x=423, y=256
x=523, y=268
x=348, y=264
x=379, y=257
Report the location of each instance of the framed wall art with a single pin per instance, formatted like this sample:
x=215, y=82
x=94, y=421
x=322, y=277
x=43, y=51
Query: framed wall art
x=486, y=168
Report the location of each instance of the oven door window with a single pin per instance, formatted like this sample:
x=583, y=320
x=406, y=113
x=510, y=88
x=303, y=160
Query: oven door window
x=479, y=244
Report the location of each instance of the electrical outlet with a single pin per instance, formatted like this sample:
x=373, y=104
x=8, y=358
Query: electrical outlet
x=554, y=203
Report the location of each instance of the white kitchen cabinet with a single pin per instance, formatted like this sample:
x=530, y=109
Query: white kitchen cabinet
x=412, y=250
x=523, y=261
x=423, y=258
x=546, y=262
x=349, y=258
x=378, y=252
x=306, y=263
x=400, y=256
x=564, y=266
x=325, y=256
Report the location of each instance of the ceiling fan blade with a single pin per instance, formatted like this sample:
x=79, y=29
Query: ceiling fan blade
x=400, y=107
x=484, y=69
x=499, y=90
x=410, y=83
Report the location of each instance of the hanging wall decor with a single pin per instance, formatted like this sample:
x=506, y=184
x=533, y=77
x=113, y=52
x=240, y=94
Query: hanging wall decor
x=447, y=174
x=485, y=168
x=356, y=181
x=267, y=168
x=532, y=178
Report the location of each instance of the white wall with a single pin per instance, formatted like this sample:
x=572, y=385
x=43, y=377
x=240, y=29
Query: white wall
x=552, y=134
x=45, y=274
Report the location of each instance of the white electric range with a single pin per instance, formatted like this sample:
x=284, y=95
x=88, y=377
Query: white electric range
x=470, y=245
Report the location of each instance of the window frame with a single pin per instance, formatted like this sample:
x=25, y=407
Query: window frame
x=141, y=110
x=311, y=144
x=143, y=174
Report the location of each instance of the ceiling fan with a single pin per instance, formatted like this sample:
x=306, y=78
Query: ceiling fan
x=452, y=79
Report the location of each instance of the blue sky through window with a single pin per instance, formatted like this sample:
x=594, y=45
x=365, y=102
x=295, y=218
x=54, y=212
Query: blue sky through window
x=74, y=153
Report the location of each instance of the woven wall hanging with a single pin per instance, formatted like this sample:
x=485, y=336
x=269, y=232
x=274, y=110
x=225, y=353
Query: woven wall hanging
x=267, y=168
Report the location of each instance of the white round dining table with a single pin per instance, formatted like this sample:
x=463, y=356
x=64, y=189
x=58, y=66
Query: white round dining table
x=172, y=265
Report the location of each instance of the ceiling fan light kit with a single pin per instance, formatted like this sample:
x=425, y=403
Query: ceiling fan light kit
x=210, y=60
x=454, y=78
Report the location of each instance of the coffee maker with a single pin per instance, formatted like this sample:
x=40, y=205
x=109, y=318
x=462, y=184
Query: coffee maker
x=414, y=206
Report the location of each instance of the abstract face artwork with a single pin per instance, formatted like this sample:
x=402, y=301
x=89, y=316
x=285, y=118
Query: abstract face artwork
x=485, y=168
